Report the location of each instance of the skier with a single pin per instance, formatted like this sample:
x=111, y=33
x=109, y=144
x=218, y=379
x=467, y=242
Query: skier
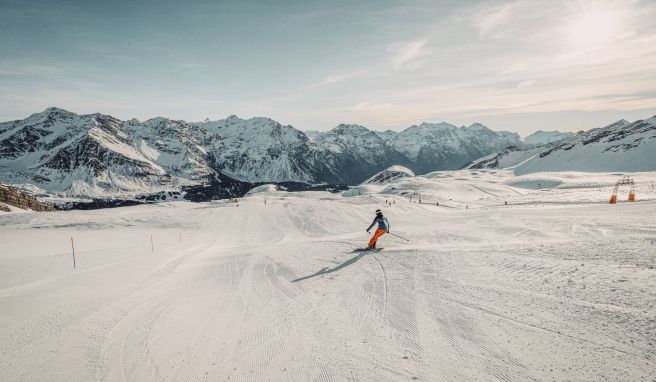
x=383, y=228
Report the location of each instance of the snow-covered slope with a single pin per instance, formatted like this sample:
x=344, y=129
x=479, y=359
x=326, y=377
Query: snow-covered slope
x=541, y=138
x=621, y=146
x=506, y=158
x=558, y=285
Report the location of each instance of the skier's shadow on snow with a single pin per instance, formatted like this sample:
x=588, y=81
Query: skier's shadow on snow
x=327, y=270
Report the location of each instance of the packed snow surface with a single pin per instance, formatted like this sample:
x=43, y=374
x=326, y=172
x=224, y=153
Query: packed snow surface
x=555, y=285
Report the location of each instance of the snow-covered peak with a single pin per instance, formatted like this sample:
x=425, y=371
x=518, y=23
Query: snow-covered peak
x=350, y=129
x=478, y=127
x=620, y=146
x=353, y=139
x=57, y=110
x=433, y=126
x=156, y=121
x=50, y=113
x=255, y=124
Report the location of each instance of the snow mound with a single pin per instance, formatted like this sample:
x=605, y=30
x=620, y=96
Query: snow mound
x=390, y=174
x=263, y=189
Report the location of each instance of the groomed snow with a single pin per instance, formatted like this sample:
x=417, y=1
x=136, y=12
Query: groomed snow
x=556, y=285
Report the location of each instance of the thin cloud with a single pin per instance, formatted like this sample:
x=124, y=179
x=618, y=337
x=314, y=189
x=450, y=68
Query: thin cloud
x=407, y=56
x=369, y=106
x=335, y=78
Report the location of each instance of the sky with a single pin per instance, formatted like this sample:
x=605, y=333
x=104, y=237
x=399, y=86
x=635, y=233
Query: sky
x=385, y=64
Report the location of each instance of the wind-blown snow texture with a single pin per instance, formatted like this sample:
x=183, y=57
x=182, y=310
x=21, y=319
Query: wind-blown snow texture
x=96, y=154
x=621, y=146
x=557, y=285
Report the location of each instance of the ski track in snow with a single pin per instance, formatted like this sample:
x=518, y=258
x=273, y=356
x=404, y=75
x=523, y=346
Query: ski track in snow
x=529, y=292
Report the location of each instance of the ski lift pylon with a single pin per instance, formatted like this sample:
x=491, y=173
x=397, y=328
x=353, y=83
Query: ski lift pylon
x=625, y=181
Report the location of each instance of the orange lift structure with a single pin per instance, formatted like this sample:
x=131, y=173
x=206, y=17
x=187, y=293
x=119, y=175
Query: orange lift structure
x=625, y=181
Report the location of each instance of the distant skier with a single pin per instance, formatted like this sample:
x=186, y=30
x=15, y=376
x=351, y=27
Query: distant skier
x=383, y=228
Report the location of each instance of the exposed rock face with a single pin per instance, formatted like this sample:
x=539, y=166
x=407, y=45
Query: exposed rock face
x=15, y=197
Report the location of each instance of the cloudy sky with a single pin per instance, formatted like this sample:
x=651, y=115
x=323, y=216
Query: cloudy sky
x=512, y=65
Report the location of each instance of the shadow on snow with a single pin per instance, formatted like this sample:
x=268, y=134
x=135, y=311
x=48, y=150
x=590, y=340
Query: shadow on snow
x=327, y=270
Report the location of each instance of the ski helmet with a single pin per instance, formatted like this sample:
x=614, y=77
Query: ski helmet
x=378, y=211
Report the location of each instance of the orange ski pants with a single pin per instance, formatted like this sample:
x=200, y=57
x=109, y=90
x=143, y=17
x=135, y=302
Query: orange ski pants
x=379, y=232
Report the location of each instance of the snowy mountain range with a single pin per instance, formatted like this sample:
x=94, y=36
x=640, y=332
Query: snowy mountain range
x=95, y=154
x=620, y=146
x=98, y=155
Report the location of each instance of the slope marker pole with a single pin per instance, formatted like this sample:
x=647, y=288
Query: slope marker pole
x=73, y=248
x=152, y=247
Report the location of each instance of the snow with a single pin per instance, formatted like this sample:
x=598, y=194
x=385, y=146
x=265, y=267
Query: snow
x=540, y=137
x=148, y=151
x=401, y=169
x=556, y=285
x=263, y=189
x=620, y=146
x=390, y=174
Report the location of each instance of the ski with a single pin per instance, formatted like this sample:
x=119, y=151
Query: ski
x=368, y=249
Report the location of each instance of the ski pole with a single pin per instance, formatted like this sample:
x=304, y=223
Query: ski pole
x=400, y=237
